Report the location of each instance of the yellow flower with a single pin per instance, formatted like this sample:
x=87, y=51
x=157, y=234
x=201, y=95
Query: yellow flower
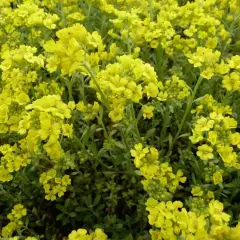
x=51, y=195
x=67, y=130
x=152, y=90
x=78, y=235
x=208, y=73
x=197, y=191
x=19, y=211
x=210, y=195
x=211, y=42
x=203, y=124
x=217, y=177
x=147, y=111
x=139, y=152
x=81, y=234
x=205, y=152
x=116, y=114
x=66, y=180
x=218, y=217
x=213, y=137
x=232, y=82
x=234, y=139
x=226, y=153
x=98, y=235
x=81, y=107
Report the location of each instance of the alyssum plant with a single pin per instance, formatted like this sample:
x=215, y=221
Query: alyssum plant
x=119, y=119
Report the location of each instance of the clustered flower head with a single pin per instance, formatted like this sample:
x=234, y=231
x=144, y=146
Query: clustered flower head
x=48, y=88
x=17, y=213
x=198, y=22
x=160, y=181
x=81, y=234
x=206, y=59
x=54, y=186
x=200, y=200
x=13, y=159
x=19, y=74
x=128, y=79
x=213, y=173
x=90, y=111
x=72, y=11
x=231, y=81
x=172, y=220
x=45, y=121
x=29, y=14
x=174, y=89
x=215, y=129
x=74, y=49
x=26, y=22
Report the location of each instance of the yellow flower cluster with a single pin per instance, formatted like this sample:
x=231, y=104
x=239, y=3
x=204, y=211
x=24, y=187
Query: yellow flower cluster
x=74, y=49
x=215, y=126
x=45, y=120
x=72, y=12
x=54, y=186
x=232, y=81
x=213, y=173
x=5, y=3
x=12, y=160
x=155, y=22
x=199, y=202
x=90, y=111
x=17, y=213
x=48, y=88
x=206, y=59
x=25, y=17
x=128, y=79
x=174, y=89
x=81, y=234
x=160, y=181
x=29, y=14
x=19, y=73
x=175, y=221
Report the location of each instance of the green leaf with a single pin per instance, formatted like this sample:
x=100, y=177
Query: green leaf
x=93, y=148
x=150, y=133
x=108, y=172
x=138, y=172
x=120, y=145
x=129, y=129
x=81, y=209
x=61, y=208
x=85, y=136
x=119, y=226
x=72, y=214
x=96, y=200
x=184, y=135
x=60, y=216
x=129, y=237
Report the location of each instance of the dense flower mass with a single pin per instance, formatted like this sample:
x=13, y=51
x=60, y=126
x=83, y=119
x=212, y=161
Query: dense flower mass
x=119, y=119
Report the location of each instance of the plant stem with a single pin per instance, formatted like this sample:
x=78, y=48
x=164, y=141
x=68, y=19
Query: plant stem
x=165, y=123
x=135, y=122
x=151, y=9
x=104, y=99
x=159, y=62
x=104, y=128
x=188, y=108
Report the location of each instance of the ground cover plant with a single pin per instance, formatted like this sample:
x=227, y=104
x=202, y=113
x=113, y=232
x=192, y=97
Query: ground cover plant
x=119, y=119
